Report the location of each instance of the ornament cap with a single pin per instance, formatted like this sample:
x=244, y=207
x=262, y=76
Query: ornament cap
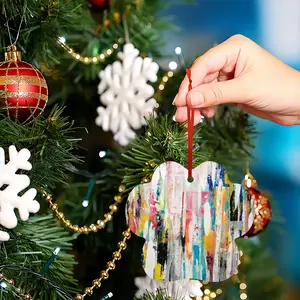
x=13, y=53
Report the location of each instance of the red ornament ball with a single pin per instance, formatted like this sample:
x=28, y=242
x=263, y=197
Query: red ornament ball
x=103, y=4
x=262, y=211
x=26, y=90
x=97, y=2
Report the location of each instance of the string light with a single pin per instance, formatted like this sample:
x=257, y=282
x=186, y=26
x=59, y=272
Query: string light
x=163, y=82
x=89, y=59
x=9, y=283
x=180, y=57
x=173, y=65
x=219, y=291
x=50, y=261
x=85, y=203
x=243, y=292
x=243, y=296
x=206, y=291
x=108, y=296
x=178, y=50
x=102, y=154
x=209, y=294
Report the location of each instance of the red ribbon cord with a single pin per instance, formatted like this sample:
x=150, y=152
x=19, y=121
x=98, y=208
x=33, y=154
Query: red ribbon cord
x=190, y=120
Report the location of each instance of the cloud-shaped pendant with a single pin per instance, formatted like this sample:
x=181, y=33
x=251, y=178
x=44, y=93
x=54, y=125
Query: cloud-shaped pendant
x=190, y=228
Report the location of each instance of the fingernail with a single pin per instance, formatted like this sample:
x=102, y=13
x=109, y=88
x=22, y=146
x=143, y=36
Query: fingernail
x=174, y=118
x=197, y=99
x=173, y=103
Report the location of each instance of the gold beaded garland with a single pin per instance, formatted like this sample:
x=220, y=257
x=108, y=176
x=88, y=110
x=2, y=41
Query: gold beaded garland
x=100, y=224
x=104, y=274
x=88, y=291
x=110, y=266
x=97, y=282
x=117, y=255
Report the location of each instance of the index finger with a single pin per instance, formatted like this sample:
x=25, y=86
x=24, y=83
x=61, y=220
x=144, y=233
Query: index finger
x=221, y=57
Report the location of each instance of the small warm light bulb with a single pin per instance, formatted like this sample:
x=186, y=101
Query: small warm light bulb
x=243, y=286
x=178, y=50
x=206, y=291
x=62, y=39
x=85, y=203
x=243, y=296
x=173, y=65
x=219, y=291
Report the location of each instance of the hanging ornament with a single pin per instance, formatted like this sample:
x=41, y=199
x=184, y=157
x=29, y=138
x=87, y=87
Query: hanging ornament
x=262, y=207
x=127, y=95
x=26, y=91
x=11, y=185
x=190, y=226
x=102, y=4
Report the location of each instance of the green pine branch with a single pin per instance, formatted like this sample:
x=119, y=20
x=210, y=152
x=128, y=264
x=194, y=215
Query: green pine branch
x=43, y=22
x=31, y=245
x=225, y=139
x=126, y=20
x=51, y=145
x=159, y=295
x=164, y=140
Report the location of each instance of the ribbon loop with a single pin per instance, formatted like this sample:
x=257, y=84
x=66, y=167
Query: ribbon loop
x=190, y=120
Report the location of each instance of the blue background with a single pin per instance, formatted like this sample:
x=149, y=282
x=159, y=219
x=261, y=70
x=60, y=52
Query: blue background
x=277, y=154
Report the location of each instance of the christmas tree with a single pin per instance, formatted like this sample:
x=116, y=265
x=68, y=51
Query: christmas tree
x=70, y=160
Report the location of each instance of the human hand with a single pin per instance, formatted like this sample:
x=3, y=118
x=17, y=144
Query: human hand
x=240, y=72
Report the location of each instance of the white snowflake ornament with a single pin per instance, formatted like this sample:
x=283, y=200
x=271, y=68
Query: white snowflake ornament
x=12, y=184
x=177, y=290
x=126, y=93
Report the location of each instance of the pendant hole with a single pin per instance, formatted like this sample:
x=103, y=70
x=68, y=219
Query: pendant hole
x=190, y=179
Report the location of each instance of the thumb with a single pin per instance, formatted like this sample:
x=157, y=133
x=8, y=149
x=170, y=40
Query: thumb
x=216, y=93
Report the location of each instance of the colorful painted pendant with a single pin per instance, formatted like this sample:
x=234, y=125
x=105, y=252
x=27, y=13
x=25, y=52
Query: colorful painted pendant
x=190, y=228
